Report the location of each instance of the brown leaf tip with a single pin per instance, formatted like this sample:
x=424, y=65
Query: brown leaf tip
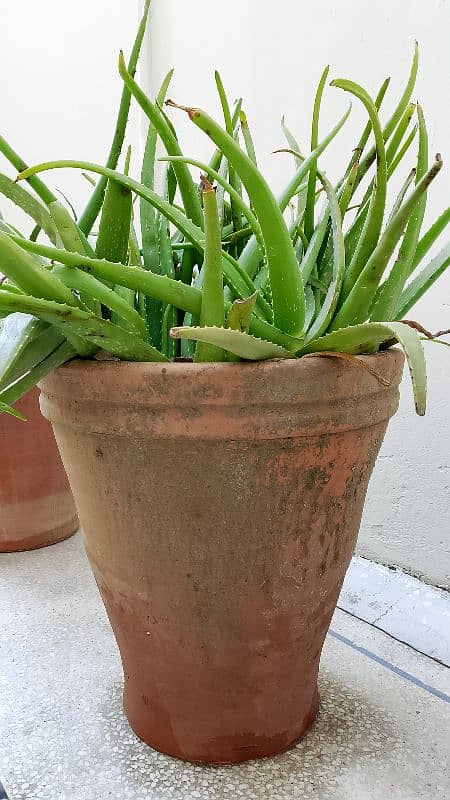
x=191, y=111
x=205, y=184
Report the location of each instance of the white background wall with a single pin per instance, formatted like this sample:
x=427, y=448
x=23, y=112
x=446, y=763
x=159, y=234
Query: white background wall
x=59, y=84
x=59, y=90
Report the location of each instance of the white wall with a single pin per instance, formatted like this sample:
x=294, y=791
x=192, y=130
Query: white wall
x=59, y=93
x=59, y=84
x=273, y=53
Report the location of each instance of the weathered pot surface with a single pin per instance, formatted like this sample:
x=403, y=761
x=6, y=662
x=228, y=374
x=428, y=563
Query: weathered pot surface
x=36, y=505
x=220, y=505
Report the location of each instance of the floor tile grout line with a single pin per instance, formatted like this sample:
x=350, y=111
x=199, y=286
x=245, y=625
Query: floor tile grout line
x=401, y=673
x=392, y=636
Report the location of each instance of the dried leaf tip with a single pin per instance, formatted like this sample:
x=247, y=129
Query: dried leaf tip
x=191, y=111
x=205, y=184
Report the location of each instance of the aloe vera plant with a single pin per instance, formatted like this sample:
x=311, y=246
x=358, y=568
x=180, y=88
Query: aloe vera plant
x=226, y=276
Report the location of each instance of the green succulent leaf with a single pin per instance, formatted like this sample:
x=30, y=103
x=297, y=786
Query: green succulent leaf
x=6, y=409
x=102, y=334
x=366, y=338
x=24, y=200
x=285, y=279
x=356, y=307
x=240, y=314
x=212, y=307
x=423, y=281
x=241, y=344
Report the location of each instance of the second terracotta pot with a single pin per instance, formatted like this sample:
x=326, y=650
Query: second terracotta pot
x=36, y=505
x=220, y=505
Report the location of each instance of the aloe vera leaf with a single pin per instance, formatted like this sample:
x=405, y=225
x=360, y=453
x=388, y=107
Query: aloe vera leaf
x=298, y=160
x=313, y=246
x=324, y=316
x=401, y=195
x=251, y=255
x=178, y=218
x=94, y=205
x=311, y=191
x=356, y=307
x=186, y=185
x=101, y=333
x=20, y=267
x=325, y=257
x=240, y=314
x=429, y=238
x=247, y=137
x=375, y=218
x=19, y=164
x=24, y=342
x=291, y=189
x=392, y=166
x=168, y=344
x=422, y=282
x=114, y=230
x=397, y=137
x=293, y=144
x=359, y=339
x=9, y=287
x=395, y=150
x=35, y=352
x=241, y=344
x=224, y=103
x=233, y=177
x=217, y=157
x=393, y=159
x=147, y=213
x=73, y=239
x=396, y=206
x=212, y=307
x=398, y=112
x=65, y=352
x=213, y=174
x=353, y=234
x=310, y=306
x=24, y=200
x=241, y=284
x=385, y=306
x=233, y=271
x=81, y=281
x=16, y=333
x=359, y=149
x=285, y=279
x=7, y=409
x=155, y=309
x=23, y=269
x=187, y=298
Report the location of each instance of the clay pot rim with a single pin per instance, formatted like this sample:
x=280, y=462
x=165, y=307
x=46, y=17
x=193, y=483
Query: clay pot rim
x=186, y=367
x=266, y=399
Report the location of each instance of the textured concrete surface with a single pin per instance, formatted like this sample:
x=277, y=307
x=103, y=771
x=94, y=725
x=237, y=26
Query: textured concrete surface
x=381, y=733
x=400, y=605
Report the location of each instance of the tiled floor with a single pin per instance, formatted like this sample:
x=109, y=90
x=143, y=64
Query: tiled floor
x=382, y=733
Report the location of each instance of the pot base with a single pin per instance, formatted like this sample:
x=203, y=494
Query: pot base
x=41, y=539
x=232, y=750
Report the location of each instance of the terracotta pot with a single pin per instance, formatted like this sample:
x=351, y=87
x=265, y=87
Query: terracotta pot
x=220, y=505
x=36, y=504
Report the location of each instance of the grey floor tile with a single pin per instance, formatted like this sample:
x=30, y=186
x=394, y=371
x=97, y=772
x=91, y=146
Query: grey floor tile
x=64, y=737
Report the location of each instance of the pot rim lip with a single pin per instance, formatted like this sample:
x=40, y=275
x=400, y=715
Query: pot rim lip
x=189, y=367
